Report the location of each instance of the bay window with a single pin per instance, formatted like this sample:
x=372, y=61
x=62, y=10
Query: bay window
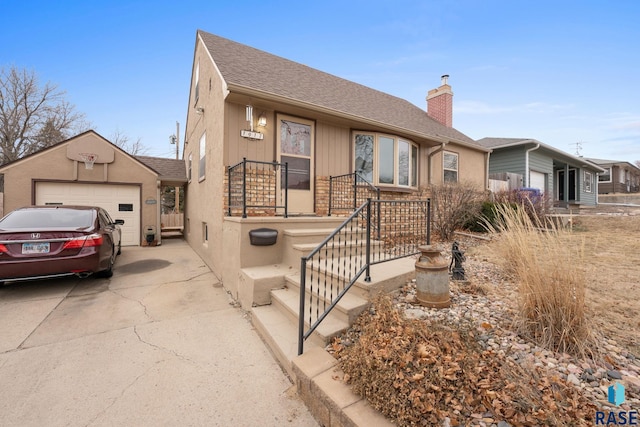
x=386, y=159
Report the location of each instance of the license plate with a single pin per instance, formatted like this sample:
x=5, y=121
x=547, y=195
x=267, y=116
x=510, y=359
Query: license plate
x=35, y=248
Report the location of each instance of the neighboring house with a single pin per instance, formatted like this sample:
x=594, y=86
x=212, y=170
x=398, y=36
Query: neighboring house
x=568, y=180
x=618, y=177
x=89, y=170
x=246, y=103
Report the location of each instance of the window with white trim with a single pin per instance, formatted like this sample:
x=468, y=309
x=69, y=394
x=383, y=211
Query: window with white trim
x=203, y=157
x=189, y=166
x=386, y=159
x=450, y=166
x=605, y=176
x=588, y=182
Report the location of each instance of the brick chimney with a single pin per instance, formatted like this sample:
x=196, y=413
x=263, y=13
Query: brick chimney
x=440, y=103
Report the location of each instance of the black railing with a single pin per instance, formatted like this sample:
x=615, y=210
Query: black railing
x=347, y=192
x=253, y=185
x=331, y=269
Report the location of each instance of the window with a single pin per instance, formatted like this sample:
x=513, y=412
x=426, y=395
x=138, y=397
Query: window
x=203, y=157
x=588, y=180
x=450, y=167
x=205, y=233
x=125, y=207
x=605, y=176
x=386, y=159
x=189, y=164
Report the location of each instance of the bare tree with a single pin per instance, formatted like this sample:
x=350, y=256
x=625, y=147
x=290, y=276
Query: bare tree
x=638, y=163
x=135, y=148
x=33, y=117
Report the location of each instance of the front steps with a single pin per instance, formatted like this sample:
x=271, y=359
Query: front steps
x=273, y=295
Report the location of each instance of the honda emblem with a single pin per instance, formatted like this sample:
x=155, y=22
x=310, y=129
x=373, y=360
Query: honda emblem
x=35, y=235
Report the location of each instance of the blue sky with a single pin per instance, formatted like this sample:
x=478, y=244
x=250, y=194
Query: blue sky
x=562, y=72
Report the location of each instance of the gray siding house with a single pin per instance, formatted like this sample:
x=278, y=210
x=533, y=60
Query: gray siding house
x=568, y=180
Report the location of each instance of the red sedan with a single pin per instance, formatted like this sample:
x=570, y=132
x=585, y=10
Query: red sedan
x=39, y=242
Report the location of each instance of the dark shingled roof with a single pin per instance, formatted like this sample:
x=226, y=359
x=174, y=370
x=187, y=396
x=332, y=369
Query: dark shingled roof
x=499, y=142
x=168, y=169
x=247, y=67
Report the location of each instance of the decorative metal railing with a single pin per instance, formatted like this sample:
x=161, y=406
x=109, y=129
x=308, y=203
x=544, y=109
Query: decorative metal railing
x=331, y=269
x=253, y=186
x=347, y=192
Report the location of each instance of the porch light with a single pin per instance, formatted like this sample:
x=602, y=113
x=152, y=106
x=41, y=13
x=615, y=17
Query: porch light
x=262, y=120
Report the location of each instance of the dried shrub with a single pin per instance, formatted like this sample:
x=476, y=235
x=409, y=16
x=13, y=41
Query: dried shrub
x=419, y=373
x=535, y=205
x=453, y=206
x=551, y=280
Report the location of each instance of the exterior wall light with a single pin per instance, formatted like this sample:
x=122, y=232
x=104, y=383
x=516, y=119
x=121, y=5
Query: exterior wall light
x=262, y=120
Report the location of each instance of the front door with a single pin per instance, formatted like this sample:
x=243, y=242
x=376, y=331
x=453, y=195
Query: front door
x=572, y=185
x=295, y=146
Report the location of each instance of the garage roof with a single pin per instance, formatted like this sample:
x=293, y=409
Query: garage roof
x=169, y=170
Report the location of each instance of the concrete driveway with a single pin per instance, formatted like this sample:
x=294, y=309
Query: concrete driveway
x=158, y=344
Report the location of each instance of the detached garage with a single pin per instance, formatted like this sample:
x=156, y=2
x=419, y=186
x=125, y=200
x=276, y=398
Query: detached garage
x=122, y=201
x=90, y=170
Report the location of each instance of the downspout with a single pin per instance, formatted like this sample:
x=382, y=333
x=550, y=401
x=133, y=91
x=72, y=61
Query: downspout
x=486, y=174
x=430, y=181
x=526, y=164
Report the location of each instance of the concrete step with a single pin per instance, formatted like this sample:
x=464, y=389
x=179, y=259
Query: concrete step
x=385, y=277
x=313, y=235
x=299, y=242
x=299, y=250
x=348, y=308
x=288, y=302
x=279, y=333
x=256, y=283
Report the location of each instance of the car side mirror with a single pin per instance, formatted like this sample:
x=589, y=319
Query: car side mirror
x=119, y=221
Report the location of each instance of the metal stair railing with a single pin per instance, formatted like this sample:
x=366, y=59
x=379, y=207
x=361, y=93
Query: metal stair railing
x=348, y=191
x=253, y=185
x=398, y=228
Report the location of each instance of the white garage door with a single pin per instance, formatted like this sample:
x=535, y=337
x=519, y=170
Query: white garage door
x=536, y=180
x=121, y=201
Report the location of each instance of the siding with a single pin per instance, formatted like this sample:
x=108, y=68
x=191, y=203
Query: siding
x=540, y=162
x=333, y=150
x=588, y=199
x=507, y=160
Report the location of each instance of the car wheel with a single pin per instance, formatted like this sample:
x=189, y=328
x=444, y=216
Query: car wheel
x=109, y=271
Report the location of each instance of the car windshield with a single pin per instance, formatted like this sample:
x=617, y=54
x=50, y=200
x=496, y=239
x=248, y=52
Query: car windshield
x=47, y=218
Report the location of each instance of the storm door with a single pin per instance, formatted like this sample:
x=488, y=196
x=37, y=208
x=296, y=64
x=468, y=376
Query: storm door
x=295, y=146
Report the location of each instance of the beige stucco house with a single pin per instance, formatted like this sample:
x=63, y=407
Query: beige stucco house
x=89, y=170
x=245, y=103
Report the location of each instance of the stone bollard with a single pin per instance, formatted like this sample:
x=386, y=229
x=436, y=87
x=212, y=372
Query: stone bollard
x=432, y=278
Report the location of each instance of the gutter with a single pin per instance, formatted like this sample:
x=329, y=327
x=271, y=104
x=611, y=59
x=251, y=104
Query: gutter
x=430, y=180
x=526, y=164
